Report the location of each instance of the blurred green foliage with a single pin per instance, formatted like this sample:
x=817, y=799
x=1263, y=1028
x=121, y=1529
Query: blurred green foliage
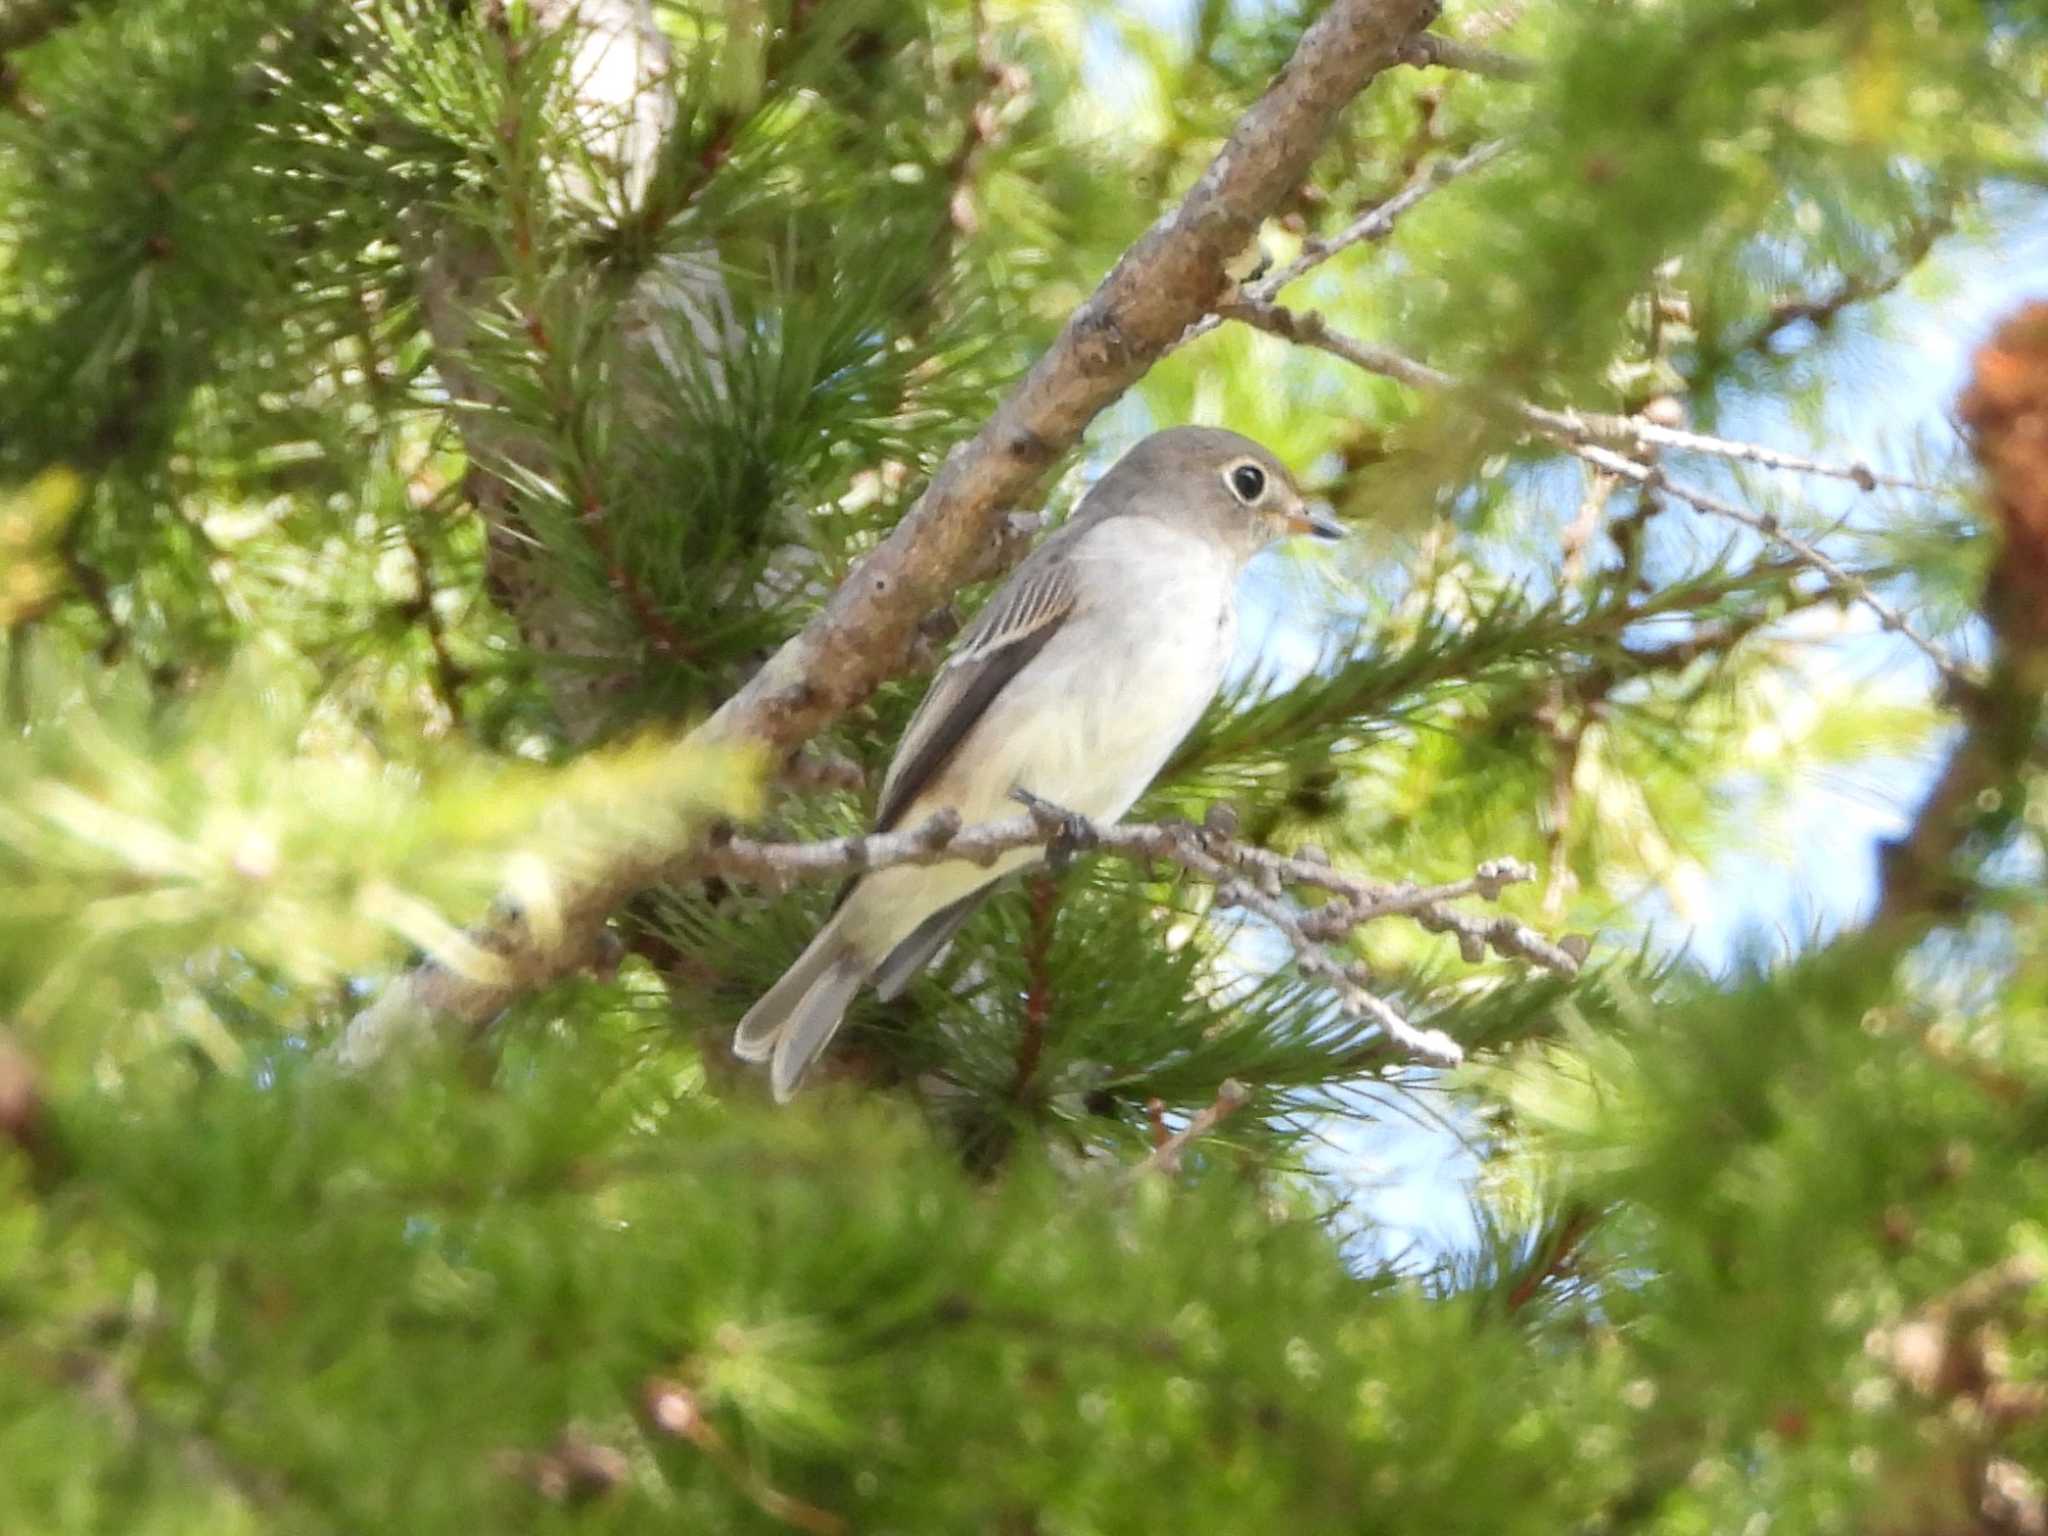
x=275, y=716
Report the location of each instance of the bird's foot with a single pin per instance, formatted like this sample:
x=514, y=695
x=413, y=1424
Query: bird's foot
x=1072, y=832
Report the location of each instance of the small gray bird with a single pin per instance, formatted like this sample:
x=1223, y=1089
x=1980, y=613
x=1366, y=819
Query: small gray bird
x=1075, y=683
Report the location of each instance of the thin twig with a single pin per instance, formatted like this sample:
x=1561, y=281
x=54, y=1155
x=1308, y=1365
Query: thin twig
x=1567, y=743
x=674, y=1409
x=1573, y=427
x=1433, y=50
x=449, y=674
x=1856, y=288
x=89, y=580
x=1357, y=900
x=1377, y=222
x=1155, y=1118
x=1563, y=715
x=1579, y=434
x=551, y=368
x=1653, y=477
x=1373, y=225
x=1245, y=876
x=1555, y=1258
x=1231, y=1096
x=1649, y=434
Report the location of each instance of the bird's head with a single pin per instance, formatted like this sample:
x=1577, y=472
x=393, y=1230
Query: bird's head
x=1219, y=482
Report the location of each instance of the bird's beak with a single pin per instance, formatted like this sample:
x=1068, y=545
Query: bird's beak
x=1315, y=518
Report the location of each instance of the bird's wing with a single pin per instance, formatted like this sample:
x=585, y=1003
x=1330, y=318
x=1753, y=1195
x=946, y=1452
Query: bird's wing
x=999, y=644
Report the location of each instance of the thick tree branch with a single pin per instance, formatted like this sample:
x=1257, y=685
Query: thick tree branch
x=1172, y=277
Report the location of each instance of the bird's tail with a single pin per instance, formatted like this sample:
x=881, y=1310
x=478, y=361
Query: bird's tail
x=797, y=1016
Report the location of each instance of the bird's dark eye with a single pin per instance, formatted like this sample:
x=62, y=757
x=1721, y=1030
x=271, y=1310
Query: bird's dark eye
x=1247, y=483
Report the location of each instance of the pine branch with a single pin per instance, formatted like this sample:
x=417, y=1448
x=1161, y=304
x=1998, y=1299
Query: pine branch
x=1203, y=851
x=1654, y=477
x=1244, y=875
x=1594, y=428
x=1370, y=227
x=673, y=1409
x=671, y=179
x=1573, y=428
x=614, y=61
x=1349, y=982
x=449, y=674
x=1553, y=1258
x=1172, y=277
x=1822, y=310
x=1165, y=1157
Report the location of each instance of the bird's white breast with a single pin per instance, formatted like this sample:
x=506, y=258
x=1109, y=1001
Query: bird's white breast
x=1103, y=706
x=1089, y=721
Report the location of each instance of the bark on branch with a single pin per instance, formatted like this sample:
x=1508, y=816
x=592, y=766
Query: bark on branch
x=1169, y=280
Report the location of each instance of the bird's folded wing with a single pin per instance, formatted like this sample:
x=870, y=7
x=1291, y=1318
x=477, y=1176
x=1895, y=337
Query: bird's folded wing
x=999, y=644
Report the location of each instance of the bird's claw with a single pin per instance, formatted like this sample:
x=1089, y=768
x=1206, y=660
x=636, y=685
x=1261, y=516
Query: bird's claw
x=1074, y=836
x=1072, y=832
